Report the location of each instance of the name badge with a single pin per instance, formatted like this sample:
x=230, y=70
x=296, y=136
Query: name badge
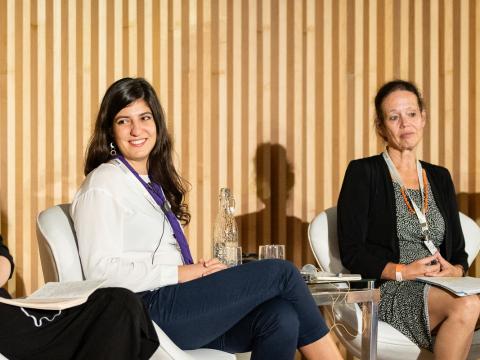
x=430, y=246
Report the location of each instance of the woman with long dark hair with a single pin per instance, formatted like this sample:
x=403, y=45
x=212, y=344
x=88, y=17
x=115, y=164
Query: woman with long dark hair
x=128, y=215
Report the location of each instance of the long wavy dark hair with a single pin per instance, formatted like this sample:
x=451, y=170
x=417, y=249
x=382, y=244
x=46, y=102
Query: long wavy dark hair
x=160, y=164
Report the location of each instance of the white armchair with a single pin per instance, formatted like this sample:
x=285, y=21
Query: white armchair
x=392, y=345
x=60, y=262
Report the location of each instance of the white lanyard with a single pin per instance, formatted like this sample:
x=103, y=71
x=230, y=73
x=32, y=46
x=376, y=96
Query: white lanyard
x=421, y=215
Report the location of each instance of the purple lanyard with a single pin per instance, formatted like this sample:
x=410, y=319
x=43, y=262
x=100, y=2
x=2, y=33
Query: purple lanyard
x=156, y=192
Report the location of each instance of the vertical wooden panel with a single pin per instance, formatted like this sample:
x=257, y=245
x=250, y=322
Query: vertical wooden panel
x=308, y=157
x=416, y=41
x=327, y=110
x=64, y=86
x=476, y=100
x=117, y=62
x=209, y=200
x=249, y=227
x=264, y=120
x=342, y=96
x=18, y=141
x=132, y=30
x=405, y=48
x=298, y=95
x=372, y=73
x=448, y=56
x=41, y=144
x=161, y=58
x=33, y=84
x=244, y=156
x=3, y=127
x=279, y=163
x=86, y=73
x=456, y=122
x=464, y=145
x=57, y=123
x=11, y=149
x=271, y=98
x=3, y=107
x=30, y=261
x=389, y=20
x=223, y=121
x=190, y=119
x=471, y=205
x=148, y=32
x=71, y=99
x=358, y=81
x=335, y=89
x=319, y=104
x=433, y=91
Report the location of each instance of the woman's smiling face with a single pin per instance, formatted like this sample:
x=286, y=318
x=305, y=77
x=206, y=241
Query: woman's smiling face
x=135, y=134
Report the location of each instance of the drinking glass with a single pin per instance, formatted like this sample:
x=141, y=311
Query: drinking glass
x=233, y=255
x=271, y=252
x=280, y=251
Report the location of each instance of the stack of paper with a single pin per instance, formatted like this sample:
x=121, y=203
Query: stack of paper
x=461, y=286
x=57, y=295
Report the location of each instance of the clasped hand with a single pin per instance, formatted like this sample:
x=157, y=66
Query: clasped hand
x=434, y=265
x=200, y=269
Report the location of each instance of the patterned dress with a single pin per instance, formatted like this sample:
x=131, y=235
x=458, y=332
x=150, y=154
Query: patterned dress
x=404, y=304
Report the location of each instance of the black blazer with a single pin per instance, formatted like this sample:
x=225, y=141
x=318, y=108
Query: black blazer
x=367, y=223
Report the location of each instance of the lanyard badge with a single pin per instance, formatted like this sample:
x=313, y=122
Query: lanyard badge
x=421, y=214
x=424, y=227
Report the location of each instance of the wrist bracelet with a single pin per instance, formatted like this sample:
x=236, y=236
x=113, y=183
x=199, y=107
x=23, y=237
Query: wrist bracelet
x=398, y=272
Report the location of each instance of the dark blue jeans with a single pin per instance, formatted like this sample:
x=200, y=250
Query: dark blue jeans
x=263, y=306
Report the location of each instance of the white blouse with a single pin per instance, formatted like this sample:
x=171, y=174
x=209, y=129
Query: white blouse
x=123, y=235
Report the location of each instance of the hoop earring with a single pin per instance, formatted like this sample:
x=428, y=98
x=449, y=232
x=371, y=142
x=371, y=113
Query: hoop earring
x=113, y=151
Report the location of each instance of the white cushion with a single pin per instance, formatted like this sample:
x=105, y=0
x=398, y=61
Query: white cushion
x=168, y=350
x=210, y=354
x=471, y=232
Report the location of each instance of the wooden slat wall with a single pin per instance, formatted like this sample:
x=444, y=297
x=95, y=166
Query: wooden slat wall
x=271, y=98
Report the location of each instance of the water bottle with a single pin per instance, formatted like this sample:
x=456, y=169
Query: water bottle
x=225, y=232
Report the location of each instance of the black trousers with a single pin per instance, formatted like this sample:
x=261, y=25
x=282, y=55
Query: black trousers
x=112, y=324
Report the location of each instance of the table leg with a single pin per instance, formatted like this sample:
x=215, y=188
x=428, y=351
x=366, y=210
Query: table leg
x=370, y=330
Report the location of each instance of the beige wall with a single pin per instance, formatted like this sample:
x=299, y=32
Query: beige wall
x=270, y=95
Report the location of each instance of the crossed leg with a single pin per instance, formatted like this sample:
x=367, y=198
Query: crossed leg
x=453, y=320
